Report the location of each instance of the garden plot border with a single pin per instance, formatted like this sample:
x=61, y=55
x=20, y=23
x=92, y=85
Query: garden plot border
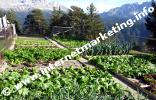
x=150, y=95
x=58, y=44
x=137, y=91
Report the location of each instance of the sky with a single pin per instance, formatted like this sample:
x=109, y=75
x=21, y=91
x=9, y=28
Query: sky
x=101, y=5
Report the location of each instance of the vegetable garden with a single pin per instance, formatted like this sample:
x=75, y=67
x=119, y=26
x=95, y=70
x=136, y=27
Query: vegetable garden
x=82, y=83
x=66, y=84
x=113, y=69
x=140, y=67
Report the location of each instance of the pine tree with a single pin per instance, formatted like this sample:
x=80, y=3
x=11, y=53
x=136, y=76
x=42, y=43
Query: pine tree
x=56, y=18
x=35, y=23
x=85, y=25
x=92, y=10
x=94, y=24
x=78, y=20
x=151, y=24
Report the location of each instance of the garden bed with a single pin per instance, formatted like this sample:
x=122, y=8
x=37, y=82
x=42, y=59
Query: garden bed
x=70, y=43
x=32, y=56
x=65, y=83
x=37, y=54
x=137, y=68
x=30, y=42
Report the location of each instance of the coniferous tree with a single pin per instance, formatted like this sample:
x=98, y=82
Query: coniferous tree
x=84, y=25
x=94, y=24
x=35, y=23
x=78, y=20
x=151, y=24
x=56, y=18
x=58, y=21
x=92, y=10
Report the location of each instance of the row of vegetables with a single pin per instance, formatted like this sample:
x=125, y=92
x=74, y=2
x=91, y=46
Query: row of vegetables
x=33, y=42
x=71, y=83
x=109, y=48
x=134, y=66
x=102, y=48
x=70, y=43
x=65, y=84
x=34, y=55
x=129, y=66
x=138, y=67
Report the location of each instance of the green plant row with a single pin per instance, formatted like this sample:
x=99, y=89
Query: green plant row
x=33, y=55
x=36, y=46
x=65, y=84
x=112, y=48
x=70, y=43
x=32, y=42
x=129, y=66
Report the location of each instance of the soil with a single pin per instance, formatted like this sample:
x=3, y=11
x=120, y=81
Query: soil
x=42, y=64
x=151, y=79
x=147, y=82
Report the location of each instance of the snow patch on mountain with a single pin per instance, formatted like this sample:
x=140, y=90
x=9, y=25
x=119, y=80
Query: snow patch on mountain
x=26, y=6
x=23, y=7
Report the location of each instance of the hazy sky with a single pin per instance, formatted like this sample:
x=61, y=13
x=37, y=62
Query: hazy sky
x=102, y=5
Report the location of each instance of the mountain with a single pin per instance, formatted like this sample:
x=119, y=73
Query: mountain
x=23, y=7
x=126, y=11
x=122, y=14
x=115, y=15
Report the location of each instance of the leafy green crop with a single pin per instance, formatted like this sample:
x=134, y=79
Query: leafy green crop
x=33, y=42
x=132, y=66
x=71, y=43
x=33, y=55
x=64, y=84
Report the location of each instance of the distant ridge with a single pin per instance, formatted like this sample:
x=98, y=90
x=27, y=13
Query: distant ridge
x=23, y=7
x=123, y=13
